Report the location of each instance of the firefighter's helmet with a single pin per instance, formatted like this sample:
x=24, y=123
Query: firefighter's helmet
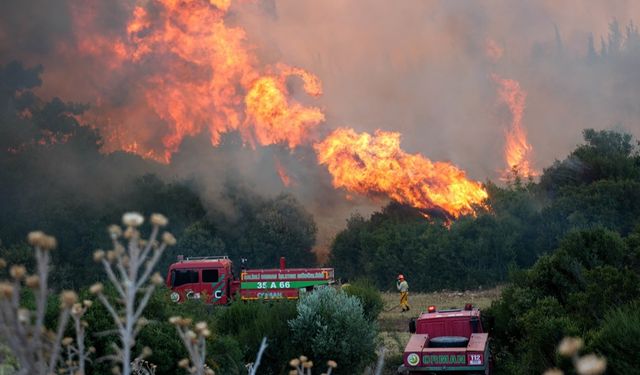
x=400, y=277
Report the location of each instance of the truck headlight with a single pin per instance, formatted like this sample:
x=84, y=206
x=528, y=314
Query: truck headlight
x=413, y=359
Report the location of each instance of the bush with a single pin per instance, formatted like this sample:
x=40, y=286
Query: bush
x=331, y=325
x=369, y=297
x=248, y=323
x=617, y=339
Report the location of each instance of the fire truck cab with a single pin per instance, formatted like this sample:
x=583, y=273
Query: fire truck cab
x=209, y=278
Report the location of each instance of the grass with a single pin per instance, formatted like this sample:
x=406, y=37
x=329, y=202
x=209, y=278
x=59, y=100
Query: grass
x=394, y=324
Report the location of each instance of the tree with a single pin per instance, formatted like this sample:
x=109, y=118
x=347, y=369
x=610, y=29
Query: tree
x=331, y=326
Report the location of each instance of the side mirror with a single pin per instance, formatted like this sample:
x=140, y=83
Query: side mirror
x=412, y=326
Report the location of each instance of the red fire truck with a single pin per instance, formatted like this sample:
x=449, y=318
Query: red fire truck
x=446, y=342
x=212, y=279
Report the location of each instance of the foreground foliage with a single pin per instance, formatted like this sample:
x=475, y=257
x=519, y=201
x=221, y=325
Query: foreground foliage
x=570, y=293
x=331, y=325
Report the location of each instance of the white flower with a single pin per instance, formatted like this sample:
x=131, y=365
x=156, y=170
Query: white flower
x=591, y=364
x=132, y=219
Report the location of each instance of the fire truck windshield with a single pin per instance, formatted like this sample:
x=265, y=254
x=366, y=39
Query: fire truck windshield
x=181, y=277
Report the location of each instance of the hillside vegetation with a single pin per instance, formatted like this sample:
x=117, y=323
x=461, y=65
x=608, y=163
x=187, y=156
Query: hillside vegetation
x=567, y=247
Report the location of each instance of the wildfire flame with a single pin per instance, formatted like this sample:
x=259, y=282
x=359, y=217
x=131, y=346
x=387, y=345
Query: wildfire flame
x=282, y=173
x=376, y=164
x=518, y=151
x=194, y=74
x=199, y=75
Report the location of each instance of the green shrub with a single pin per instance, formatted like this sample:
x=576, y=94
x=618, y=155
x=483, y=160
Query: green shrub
x=331, y=325
x=617, y=339
x=369, y=297
x=249, y=322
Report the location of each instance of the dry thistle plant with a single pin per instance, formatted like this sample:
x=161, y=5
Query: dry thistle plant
x=589, y=364
x=303, y=366
x=74, y=352
x=194, y=340
x=129, y=268
x=142, y=367
x=36, y=348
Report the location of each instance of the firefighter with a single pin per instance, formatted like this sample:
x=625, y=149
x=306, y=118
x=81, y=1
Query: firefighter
x=403, y=288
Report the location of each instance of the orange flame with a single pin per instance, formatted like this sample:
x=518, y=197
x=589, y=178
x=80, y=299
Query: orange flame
x=493, y=50
x=196, y=74
x=282, y=172
x=518, y=151
x=376, y=164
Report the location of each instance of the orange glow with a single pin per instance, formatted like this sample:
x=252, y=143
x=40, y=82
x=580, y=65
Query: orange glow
x=518, y=151
x=493, y=50
x=197, y=74
x=284, y=176
x=376, y=164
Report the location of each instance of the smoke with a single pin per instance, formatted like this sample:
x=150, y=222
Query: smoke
x=420, y=68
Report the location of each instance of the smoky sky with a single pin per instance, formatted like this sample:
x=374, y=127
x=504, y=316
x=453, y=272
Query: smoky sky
x=422, y=68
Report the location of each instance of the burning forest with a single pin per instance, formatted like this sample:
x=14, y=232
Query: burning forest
x=196, y=74
x=485, y=147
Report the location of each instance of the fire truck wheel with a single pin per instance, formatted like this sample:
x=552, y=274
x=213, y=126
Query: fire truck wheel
x=448, y=342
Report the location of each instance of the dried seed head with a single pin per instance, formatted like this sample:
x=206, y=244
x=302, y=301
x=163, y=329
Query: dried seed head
x=114, y=231
x=168, y=238
x=98, y=255
x=66, y=341
x=32, y=281
x=3, y=263
x=68, y=298
x=156, y=279
x=36, y=238
x=185, y=322
x=131, y=233
x=570, y=346
x=200, y=326
x=115, y=370
x=111, y=256
x=96, y=288
x=142, y=322
x=77, y=309
x=146, y=352
x=308, y=364
x=205, y=333
x=6, y=290
x=49, y=243
x=23, y=315
x=209, y=371
x=303, y=358
x=17, y=272
x=92, y=349
x=132, y=219
x=294, y=362
x=183, y=363
x=119, y=249
x=332, y=363
x=87, y=303
x=591, y=364
x=190, y=334
x=293, y=372
x=159, y=220
x=553, y=371
x=175, y=320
